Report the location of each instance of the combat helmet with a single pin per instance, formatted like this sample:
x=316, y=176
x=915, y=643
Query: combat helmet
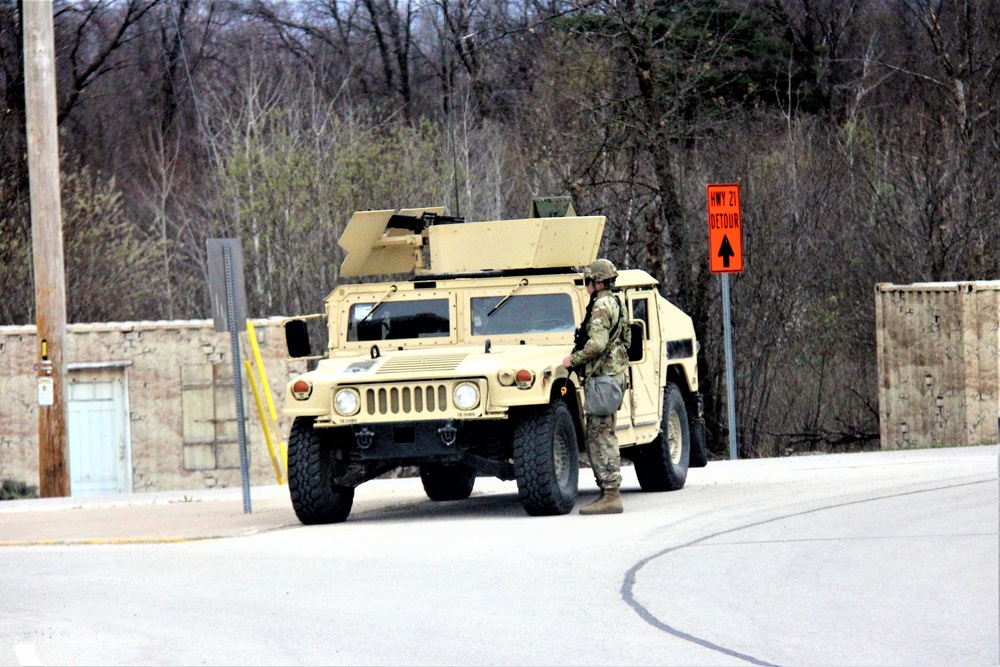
x=600, y=270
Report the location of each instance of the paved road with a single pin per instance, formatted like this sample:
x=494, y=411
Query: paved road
x=867, y=559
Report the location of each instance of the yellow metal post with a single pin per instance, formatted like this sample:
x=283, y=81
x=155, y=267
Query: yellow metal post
x=263, y=423
x=252, y=335
x=263, y=372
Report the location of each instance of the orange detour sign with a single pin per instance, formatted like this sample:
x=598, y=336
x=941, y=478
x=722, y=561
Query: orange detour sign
x=725, y=229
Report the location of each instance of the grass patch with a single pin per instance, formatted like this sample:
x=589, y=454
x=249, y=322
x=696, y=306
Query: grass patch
x=12, y=489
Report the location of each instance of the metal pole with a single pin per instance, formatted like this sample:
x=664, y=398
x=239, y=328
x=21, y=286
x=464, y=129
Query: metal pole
x=234, y=339
x=46, y=246
x=730, y=382
x=451, y=128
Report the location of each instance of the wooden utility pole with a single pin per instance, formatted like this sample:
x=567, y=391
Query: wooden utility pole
x=47, y=246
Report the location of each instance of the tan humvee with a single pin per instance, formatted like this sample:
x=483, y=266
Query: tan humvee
x=458, y=368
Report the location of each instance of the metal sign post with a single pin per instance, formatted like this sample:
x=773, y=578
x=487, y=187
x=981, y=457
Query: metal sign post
x=229, y=313
x=725, y=256
x=727, y=335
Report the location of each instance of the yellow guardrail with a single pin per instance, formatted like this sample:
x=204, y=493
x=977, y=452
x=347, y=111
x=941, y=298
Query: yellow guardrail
x=269, y=419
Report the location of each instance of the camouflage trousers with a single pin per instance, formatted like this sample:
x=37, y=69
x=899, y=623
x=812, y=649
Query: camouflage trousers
x=602, y=447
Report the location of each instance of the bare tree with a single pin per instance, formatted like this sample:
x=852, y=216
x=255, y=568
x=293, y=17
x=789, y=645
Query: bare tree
x=111, y=265
x=186, y=29
x=12, y=132
x=340, y=38
x=93, y=32
x=823, y=37
x=322, y=35
x=966, y=66
x=390, y=23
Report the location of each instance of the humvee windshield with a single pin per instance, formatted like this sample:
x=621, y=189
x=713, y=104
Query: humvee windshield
x=521, y=314
x=395, y=320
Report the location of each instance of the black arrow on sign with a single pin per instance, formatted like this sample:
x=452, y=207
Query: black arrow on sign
x=725, y=252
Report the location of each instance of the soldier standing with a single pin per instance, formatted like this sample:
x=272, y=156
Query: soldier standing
x=605, y=353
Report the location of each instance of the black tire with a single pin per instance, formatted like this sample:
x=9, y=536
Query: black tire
x=447, y=482
x=546, y=459
x=311, y=469
x=662, y=465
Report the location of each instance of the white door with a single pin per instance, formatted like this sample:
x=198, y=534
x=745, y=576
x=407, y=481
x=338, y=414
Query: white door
x=645, y=372
x=98, y=443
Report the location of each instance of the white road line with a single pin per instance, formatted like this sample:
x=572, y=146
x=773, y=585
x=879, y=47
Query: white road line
x=26, y=655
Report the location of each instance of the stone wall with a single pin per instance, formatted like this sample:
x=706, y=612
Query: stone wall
x=181, y=424
x=938, y=364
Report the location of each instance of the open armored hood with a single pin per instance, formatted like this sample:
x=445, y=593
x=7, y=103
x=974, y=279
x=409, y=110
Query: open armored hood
x=426, y=241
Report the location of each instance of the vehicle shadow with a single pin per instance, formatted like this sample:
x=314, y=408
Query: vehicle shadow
x=486, y=506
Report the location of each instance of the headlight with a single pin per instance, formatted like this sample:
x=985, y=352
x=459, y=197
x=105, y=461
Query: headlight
x=466, y=396
x=346, y=402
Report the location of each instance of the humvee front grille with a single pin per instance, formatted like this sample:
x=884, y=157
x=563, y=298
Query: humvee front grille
x=409, y=363
x=417, y=399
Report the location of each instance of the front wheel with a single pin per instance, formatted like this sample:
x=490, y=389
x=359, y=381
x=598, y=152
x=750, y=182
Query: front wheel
x=311, y=469
x=447, y=482
x=662, y=465
x=546, y=459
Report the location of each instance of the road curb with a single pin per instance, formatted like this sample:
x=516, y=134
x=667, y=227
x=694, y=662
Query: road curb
x=169, y=539
x=372, y=509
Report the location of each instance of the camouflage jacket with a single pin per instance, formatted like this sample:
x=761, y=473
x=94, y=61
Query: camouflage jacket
x=601, y=356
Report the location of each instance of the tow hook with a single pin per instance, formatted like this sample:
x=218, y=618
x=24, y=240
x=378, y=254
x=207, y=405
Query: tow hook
x=364, y=436
x=448, y=434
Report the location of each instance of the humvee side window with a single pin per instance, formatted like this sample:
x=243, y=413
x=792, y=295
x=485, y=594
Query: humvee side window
x=396, y=320
x=640, y=311
x=522, y=314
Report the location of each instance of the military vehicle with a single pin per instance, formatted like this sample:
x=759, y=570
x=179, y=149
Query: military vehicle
x=457, y=367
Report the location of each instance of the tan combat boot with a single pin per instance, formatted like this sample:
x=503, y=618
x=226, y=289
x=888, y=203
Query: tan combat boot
x=610, y=502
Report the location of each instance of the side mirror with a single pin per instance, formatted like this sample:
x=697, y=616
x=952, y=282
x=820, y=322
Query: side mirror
x=297, y=339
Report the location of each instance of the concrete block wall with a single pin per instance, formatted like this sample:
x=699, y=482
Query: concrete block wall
x=153, y=356
x=938, y=364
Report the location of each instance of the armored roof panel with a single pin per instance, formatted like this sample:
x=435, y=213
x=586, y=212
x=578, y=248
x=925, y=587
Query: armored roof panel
x=371, y=250
x=375, y=247
x=503, y=245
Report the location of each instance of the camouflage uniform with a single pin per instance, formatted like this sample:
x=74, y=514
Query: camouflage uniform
x=605, y=353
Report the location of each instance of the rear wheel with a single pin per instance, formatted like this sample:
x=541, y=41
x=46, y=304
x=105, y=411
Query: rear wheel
x=546, y=459
x=311, y=469
x=447, y=481
x=662, y=465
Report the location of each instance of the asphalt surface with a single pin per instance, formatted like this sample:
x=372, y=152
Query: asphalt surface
x=879, y=558
x=179, y=516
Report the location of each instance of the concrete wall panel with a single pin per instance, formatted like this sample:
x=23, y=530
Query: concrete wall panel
x=938, y=364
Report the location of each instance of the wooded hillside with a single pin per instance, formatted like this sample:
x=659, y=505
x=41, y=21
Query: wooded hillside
x=865, y=135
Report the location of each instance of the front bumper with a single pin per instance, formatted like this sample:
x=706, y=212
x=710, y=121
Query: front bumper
x=442, y=440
